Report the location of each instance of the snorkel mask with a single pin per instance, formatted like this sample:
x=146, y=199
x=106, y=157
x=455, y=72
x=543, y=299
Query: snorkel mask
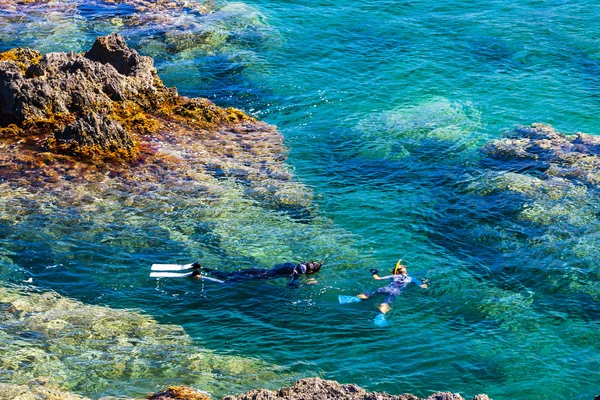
x=313, y=267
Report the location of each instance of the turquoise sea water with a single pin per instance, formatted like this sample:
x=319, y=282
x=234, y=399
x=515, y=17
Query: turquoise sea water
x=384, y=107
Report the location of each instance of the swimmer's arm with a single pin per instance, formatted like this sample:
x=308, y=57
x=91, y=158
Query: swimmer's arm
x=293, y=279
x=376, y=276
x=418, y=282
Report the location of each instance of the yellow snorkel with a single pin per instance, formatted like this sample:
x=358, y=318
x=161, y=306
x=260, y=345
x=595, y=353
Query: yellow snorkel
x=397, y=267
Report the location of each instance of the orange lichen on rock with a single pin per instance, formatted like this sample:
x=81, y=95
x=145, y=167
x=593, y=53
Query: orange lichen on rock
x=206, y=114
x=95, y=106
x=11, y=130
x=179, y=393
x=23, y=58
x=106, y=114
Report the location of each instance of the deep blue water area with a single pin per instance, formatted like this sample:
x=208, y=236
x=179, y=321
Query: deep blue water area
x=384, y=107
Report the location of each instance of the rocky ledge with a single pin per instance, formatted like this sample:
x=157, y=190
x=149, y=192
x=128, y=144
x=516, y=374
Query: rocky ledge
x=96, y=106
x=308, y=389
x=106, y=114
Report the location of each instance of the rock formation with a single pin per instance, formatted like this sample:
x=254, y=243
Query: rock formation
x=108, y=112
x=93, y=106
x=319, y=389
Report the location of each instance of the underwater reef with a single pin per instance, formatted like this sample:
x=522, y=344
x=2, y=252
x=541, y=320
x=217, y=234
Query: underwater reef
x=178, y=31
x=52, y=344
x=540, y=148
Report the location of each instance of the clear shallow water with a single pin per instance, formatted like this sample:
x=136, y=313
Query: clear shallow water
x=384, y=107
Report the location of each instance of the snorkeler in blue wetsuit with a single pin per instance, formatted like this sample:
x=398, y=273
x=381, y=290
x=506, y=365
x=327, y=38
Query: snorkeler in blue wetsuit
x=399, y=280
x=291, y=270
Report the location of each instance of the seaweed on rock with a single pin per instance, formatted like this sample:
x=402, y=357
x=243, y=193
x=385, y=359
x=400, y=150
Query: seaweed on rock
x=108, y=112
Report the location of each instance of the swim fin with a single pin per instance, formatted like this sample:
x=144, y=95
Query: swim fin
x=348, y=299
x=170, y=274
x=171, y=267
x=181, y=275
x=380, y=321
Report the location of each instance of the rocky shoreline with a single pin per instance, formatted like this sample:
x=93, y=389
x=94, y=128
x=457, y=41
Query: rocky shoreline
x=307, y=389
x=319, y=389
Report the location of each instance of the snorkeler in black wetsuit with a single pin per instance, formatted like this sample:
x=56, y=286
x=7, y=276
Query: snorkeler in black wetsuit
x=291, y=270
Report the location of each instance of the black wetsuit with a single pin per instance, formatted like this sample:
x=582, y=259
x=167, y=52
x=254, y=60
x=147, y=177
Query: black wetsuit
x=290, y=270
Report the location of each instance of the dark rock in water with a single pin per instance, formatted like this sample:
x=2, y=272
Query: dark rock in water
x=113, y=50
x=319, y=389
x=93, y=133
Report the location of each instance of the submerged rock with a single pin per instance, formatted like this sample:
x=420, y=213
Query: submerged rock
x=179, y=392
x=540, y=148
x=36, y=390
x=52, y=343
x=319, y=389
x=177, y=29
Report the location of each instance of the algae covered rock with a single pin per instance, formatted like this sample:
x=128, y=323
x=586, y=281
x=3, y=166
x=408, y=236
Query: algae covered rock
x=109, y=110
x=93, y=134
x=59, y=94
x=90, y=105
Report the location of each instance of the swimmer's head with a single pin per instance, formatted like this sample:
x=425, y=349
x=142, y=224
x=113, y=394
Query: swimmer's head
x=399, y=269
x=313, y=267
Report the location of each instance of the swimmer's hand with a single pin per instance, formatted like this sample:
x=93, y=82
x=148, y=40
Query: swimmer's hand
x=424, y=286
x=373, y=271
x=196, y=275
x=311, y=281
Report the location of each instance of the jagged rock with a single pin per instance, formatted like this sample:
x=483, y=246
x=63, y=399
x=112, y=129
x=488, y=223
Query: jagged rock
x=94, y=106
x=445, y=396
x=93, y=133
x=59, y=94
x=113, y=50
x=319, y=389
x=481, y=397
